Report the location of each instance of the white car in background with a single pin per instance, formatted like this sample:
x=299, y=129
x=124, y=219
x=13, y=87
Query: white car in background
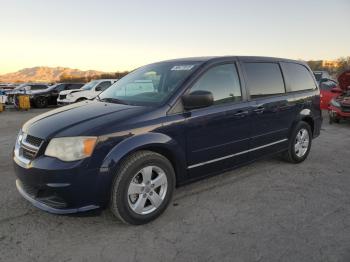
x=87, y=91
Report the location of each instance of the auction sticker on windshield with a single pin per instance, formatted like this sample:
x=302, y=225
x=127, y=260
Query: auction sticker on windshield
x=182, y=68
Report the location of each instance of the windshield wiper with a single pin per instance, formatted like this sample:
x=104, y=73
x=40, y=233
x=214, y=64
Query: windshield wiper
x=111, y=100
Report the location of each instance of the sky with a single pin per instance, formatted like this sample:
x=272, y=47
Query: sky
x=113, y=35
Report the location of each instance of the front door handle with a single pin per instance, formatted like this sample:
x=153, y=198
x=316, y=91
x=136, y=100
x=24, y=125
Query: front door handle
x=259, y=110
x=241, y=113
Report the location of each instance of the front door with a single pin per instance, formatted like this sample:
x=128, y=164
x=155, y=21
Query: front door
x=218, y=136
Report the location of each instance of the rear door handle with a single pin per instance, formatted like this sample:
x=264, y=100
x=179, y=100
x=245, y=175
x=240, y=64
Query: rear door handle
x=259, y=109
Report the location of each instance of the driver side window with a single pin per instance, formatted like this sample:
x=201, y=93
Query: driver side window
x=222, y=81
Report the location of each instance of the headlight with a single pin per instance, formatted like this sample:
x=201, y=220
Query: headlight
x=19, y=137
x=71, y=148
x=335, y=103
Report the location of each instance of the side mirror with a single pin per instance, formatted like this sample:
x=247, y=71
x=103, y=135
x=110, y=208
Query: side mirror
x=197, y=99
x=98, y=88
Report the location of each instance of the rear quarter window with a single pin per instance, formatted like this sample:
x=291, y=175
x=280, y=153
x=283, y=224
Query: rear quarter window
x=264, y=79
x=298, y=77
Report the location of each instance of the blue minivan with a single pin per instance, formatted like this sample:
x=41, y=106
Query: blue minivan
x=164, y=125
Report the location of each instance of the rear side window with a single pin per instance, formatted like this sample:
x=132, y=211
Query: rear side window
x=73, y=86
x=299, y=78
x=264, y=79
x=38, y=87
x=222, y=81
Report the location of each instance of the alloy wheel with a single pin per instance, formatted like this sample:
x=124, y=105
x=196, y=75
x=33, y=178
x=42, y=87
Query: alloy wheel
x=302, y=141
x=147, y=190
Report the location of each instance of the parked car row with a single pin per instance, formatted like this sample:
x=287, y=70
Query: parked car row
x=43, y=95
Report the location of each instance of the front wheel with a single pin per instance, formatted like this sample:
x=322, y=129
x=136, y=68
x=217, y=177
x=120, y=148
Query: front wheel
x=299, y=144
x=41, y=102
x=80, y=99
x=142, y=188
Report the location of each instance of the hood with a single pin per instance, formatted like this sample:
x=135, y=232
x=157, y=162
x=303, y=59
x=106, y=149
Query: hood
x=66, y=92
x=84, y=118
x=344, y=80
x=80, y=93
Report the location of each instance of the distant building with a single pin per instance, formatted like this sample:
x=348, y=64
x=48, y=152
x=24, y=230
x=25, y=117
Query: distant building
x=330, y=63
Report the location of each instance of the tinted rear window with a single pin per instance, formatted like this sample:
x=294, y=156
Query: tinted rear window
x=299, y=77
x=264, y=79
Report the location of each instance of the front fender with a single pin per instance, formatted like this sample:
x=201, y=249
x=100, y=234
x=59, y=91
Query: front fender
x=144, y=141
x=149, y=141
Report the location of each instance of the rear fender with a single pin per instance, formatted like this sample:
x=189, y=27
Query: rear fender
x=304, y=115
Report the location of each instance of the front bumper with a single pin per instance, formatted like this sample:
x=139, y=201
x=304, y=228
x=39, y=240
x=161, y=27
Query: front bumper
x=337, y=112
x=46, y=206
x=58, y=187
x=64, y=102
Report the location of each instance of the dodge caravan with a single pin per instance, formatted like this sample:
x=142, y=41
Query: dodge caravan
x=164, y=125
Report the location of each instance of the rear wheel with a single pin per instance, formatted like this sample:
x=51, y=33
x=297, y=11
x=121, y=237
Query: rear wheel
x=142, y=188
x=41, y=102
x=299, y=143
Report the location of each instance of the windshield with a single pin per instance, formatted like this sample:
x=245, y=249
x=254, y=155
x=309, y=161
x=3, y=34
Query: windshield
x=318, y=76
x=89, y=85
x=149, y=85
x=21, y=86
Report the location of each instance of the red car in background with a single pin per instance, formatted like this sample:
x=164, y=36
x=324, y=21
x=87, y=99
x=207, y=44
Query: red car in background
x=329, y=89
x=339, y=107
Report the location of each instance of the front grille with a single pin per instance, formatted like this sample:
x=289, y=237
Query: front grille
x=30, y=146
x=28, y=154
x=345, y=109
x=34, y=141
x=62, y=96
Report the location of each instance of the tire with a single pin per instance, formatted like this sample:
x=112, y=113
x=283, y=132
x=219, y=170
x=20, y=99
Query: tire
x=132, y=176
x=41, y=102
x=298, y=153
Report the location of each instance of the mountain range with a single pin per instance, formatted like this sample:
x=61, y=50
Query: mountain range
x=46, y=74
